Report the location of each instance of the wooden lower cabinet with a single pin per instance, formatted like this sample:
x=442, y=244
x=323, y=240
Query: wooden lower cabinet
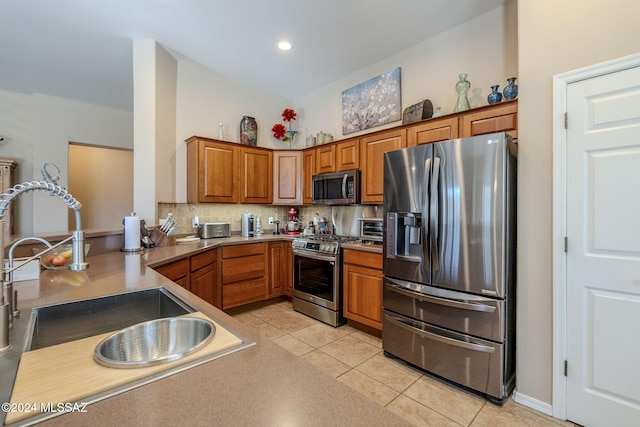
x=362, y=277
x=197, y=274
x=203, y=280
x=244, y=274
x=280, y=269
x=176, y=271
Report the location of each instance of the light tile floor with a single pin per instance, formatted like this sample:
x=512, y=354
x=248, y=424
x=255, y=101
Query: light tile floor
x=357, y=360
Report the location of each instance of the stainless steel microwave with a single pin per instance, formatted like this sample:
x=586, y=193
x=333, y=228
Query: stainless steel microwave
x=337, y=188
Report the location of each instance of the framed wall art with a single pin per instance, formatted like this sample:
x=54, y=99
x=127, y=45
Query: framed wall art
x=372, y=103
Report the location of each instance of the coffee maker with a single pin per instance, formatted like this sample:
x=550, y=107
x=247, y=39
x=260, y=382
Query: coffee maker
x=293, y=224
x=247, y=225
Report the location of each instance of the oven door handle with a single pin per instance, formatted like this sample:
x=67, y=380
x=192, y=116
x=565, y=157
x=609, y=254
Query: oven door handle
x=314, y=256
x=440, y=338
x=441, y=301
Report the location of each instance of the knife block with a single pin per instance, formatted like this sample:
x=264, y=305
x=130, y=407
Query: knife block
x=162, y=239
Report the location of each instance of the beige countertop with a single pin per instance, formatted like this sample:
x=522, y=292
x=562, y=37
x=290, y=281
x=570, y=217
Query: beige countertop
x=262, y=385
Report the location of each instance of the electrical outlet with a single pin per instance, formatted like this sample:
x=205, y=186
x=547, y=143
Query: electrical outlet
x=270, y=220
x=194, y=222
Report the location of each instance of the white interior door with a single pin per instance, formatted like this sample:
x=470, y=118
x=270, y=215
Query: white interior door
x=603, y=257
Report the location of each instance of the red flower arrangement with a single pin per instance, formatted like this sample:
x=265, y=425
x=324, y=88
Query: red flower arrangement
x=280, y=132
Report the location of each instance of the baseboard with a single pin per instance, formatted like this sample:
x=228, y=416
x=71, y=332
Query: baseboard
x=532, y=403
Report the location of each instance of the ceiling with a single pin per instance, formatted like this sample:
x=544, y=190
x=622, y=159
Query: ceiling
x=82, y=49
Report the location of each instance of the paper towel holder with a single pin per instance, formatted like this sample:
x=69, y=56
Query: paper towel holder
x=132, y=228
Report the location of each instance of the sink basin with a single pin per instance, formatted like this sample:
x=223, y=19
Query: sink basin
x=60, y=323
x=154, y=342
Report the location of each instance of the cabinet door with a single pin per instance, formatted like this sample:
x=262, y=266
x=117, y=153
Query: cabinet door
x=308, y=170
x=348, y=155
x=287, y=173
x=433, y=130
x=256, y=175
x=497, y=119
x=212, y=173
x=363, y=295
x=372, y=151
x=276, y=268
x=287, y=287
x=326, y=159
x=203, y=284
x=177, y=271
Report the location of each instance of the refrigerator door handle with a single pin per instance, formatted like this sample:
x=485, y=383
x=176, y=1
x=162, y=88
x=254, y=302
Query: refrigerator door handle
x=441, y=301
x=433, y=213
x=425, y=232
x=440, y=338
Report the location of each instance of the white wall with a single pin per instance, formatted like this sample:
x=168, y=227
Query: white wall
x=39, y=129
x=554, y=37
x=102, y=179
x=205, y=98
x=485, y=48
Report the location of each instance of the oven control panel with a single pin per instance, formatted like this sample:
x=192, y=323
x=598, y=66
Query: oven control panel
x=326, y=248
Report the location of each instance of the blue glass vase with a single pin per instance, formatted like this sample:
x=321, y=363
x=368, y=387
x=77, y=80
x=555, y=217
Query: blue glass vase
x=511, y=89
x=495, y=96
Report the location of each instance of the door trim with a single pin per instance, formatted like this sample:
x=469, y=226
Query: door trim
x=559, y=217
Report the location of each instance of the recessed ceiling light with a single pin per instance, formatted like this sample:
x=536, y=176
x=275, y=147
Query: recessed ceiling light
x=284, y=45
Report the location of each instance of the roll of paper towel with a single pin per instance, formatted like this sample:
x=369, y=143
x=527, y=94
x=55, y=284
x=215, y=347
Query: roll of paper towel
x=131, y=233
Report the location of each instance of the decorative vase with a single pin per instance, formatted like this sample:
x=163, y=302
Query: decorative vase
x=462, y=87
x=511, y=90
x=438, y=112
x=248, y=131
x=495, y=96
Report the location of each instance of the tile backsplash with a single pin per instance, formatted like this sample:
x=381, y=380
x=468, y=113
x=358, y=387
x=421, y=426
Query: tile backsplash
x=221, y=212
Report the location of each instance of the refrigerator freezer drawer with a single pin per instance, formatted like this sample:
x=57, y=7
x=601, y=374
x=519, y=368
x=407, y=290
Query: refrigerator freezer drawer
x=465, y=313
x=470, y=362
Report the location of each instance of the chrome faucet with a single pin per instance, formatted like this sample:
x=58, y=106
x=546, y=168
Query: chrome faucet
x=8, y=298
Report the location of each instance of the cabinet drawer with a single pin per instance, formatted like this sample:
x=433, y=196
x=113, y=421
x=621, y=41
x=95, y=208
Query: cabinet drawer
x=243, y=293
x=242, y=250
x=200, y=260
x=245, y=268
x=174, y=270
x=367, y=259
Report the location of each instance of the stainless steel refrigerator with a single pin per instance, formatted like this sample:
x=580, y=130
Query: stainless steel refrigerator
x=449, y=260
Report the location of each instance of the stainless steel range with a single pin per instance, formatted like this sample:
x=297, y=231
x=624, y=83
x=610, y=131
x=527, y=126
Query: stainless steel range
x=317, y=277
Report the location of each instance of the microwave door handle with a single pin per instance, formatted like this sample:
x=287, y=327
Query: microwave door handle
x=433, y=213
x=344, y=186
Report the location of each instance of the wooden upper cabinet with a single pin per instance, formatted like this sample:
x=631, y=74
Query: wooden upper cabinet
x=372, y=149
x=212, y=173
x=287, y=177
x=348, y=155
x=496, y=119
x=326, y=158
x=308, y=170
x=434, y=130
x=256, y=175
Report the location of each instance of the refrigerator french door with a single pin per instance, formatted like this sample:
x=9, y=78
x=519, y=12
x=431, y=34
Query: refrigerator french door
x=449, y=260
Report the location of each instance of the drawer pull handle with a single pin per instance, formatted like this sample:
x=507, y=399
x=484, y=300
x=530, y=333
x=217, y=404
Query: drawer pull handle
x=440, y=338
x=441, y=301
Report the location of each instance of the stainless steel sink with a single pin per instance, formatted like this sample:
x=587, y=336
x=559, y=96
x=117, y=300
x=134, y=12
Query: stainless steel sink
x=60, y=323
x=154, y=342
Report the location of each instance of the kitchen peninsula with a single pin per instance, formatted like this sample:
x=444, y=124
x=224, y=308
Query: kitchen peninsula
x=260, y=385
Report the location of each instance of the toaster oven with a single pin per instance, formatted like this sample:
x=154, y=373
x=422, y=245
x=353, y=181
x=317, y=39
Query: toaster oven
x=371, y=229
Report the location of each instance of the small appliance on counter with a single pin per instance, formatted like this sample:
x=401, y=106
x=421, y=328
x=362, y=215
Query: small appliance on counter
x=293, y=224
x=371, y=230
x=247, y=228
x=210, y=230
